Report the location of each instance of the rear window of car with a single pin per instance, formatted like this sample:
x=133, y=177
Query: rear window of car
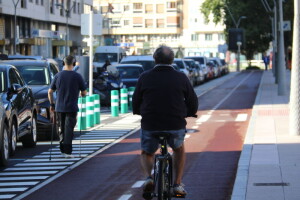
x=179, y=64
x=199, y=59
x=130, y=72
x=146, y=64
x=34, y=75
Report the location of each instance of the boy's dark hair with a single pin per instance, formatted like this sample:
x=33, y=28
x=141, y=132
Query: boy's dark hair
x=163, y=55
x=69, y=60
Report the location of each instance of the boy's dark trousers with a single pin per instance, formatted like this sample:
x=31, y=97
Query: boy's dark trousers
x=67, y=125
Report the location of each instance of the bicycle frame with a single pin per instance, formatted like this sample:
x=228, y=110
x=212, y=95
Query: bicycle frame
x=163, y=175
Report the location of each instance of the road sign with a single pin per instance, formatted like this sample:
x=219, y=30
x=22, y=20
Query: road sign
x=286, y=26
x=85, y=24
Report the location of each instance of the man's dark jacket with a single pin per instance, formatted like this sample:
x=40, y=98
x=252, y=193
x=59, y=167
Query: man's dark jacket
x=164, y=97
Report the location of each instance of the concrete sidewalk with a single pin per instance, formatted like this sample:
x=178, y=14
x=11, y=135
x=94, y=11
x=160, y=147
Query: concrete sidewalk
x=269, y=166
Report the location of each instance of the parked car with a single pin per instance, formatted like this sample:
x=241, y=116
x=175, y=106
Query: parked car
x=225, y=66
x=203, y=62
x=210, y=70
x=217, y=67
x=19, y=112
x=146, y=61
x=38, y=75
x=130, y=73
x=185, y=69
x=197, y=71
x=201, y=72
x=218, y=63
x=24, y=57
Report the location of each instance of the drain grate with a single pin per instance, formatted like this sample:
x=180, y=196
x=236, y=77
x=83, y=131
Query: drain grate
x=271, y=184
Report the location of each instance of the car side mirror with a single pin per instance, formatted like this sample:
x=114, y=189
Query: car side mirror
x=16, y=88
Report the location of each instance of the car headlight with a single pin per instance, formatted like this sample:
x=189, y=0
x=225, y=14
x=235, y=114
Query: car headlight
x=114, y=85
x=43, y=112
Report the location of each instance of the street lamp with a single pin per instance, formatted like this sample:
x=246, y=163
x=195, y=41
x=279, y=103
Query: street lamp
x=15, y=23
x=67, y=11
x=238, y=23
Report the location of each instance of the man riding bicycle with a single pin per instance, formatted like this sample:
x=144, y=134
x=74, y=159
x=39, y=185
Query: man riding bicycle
x=164, y=97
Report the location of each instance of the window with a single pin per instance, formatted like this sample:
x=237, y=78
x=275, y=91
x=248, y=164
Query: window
x=149, y=23
x=126, y=22
x=126, y=8
x=52, y=6
x=160, y=23
x=171, y=5
x=149, y=8
x=104, y=9
x=74, y=7
x=23, y=4
x=137, y=22
x=115, y=23
x=61, y=10
x=137, y=7
x=173, y=21
x=160, y=8
x=36, y=2
x=221, y=37
x=208, y=37
x=42, y=2
x=195, y=37
x=78, y=7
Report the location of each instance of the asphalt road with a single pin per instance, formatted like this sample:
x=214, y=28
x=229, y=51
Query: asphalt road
x=213, y=145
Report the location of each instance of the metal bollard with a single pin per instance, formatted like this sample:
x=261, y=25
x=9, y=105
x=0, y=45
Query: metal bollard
x=81, y=116
x=130, y=94
x=114, y=103
x=96, y=109
x=124, y=100
x=90, y=111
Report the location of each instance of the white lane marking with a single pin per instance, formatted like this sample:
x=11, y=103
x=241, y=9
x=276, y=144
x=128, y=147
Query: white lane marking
x=220, y=120
x=125, y=197
x=44, y=164
x=138, y=184
x=203, y=118
x=18, y=183
x=23, y=178
x=241, y=117
x=33, y=168
x=7, y=196
x=195, y=126
x=231, y=92
x=26, y=173
x=21, y=189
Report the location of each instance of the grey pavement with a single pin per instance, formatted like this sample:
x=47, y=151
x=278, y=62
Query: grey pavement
x=269, y=166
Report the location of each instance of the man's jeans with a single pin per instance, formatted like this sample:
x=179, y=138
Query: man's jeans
x=67, y=125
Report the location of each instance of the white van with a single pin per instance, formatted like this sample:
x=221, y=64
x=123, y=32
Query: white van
x=112, y=53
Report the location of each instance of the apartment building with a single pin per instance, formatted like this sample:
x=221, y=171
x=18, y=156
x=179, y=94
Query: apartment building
x=142, y=25
x=50, y=28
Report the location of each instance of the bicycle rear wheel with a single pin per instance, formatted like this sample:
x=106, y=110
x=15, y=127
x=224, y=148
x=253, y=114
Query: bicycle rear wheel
x=161, y=186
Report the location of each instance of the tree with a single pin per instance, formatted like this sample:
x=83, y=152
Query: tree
x=257, y=25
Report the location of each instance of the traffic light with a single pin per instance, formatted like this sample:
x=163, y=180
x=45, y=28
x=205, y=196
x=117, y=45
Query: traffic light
x=236, y=35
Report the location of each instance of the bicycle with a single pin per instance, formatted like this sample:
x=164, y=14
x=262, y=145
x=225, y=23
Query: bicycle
x=163, y=171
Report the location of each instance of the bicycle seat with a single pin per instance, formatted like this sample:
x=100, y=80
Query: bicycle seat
x=161, y=134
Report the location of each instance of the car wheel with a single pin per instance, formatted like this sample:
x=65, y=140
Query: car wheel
x=13, y=138
x=4, y=146
x=29, y=140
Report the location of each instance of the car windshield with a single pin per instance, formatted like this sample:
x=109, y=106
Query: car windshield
x=199, y=59
x=102, y=57
x=179, y=64
x=130, y=72
x=146, y=64
x=2, y=81
x=35, y=75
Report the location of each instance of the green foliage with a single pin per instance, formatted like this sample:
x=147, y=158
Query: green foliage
x=257, y=25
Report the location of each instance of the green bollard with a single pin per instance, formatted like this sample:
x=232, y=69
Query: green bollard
x=114, y=104
x=81, y=125
x=130, y=94
x=96, y=108
x=124, y=100
x=90, y=111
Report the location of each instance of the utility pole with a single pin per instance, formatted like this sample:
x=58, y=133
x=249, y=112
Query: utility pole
x=281, y=60
x=15, y=26
x=295, y=77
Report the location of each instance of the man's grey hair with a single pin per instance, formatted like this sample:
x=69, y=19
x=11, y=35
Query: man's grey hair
x=163, y=55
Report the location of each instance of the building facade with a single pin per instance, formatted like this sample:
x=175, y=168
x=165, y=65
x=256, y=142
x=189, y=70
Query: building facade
x=50, y=28
x=141, y=26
